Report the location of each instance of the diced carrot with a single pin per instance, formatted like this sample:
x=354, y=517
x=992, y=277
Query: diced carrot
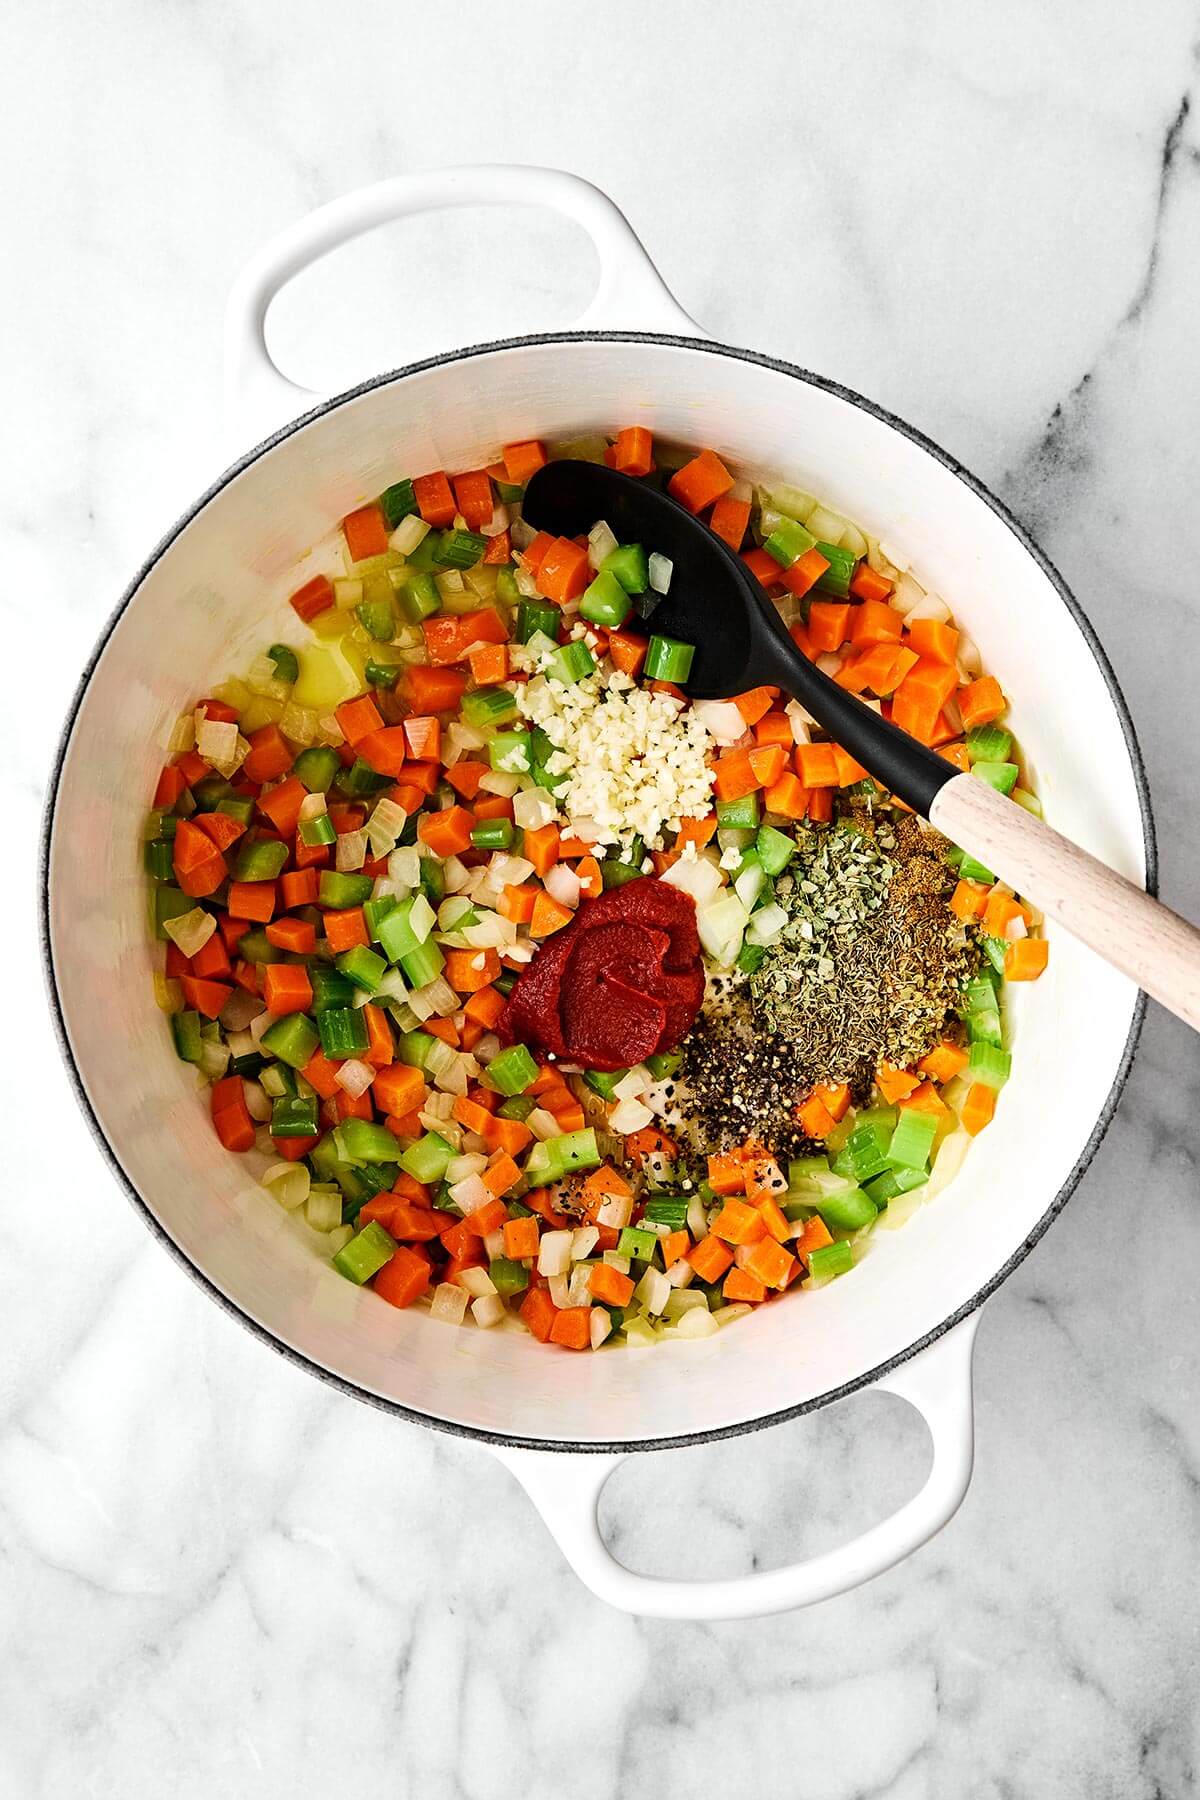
x=710, y=1258
x=755, y=703
x=564, y=571
x=675, y=1247
x=763, y=567
x=423, y=734
x=499, y=549
x=315, y=597
x=958, y=754
x=489, y=665
x=281, y=805
x=232, y=930
x=934, y=638
x=230, y=1115
x=914, y=712
x=828, y=624
x=489, y=1217
x=1026, y=959
x=999, y=913
x=521, y=1237
x=925, y=1099
x=969, y=900
x=501, y=1174
x=848, y=771
x=650, y=1141
x=365, y=532
x=816, y=765
x=510, y=1135
x=470, y=1114
x=286, y=987
x=380, y=1049
x=775, y=1219
x=403, y=1279
x=627, y=651
x=192, y=767
x=405, y=1219
x=944, y=1062
x=469, y=970
x=536, y=549
x=696, y=831
x=700, y=482
x=300, y=888
x=198, y=864
x=815, y=1236
x=358, y=718
x=433, y=690
x=446, y=833
x=768, y=762
x=634, y=451
x=345, y=930
x=223, y=830
x=211, y=962
x=836, y=1100
x=465, y=776
x=737, y=1222
x=739, y=1285
x=493, y=806
x=445, y=1029
x=980, y=702
x=729, y=519
x=875, y=623
x=385, y=750
x=978, y=1108
x=523, y=460
x=540, y=847
x=170, y=785
x=867, y=584
x=435, y=498
x=252, y=900
x=399, y=1089
x=734, y=777
x=727, y=1172
x=895, y=1084
x=473, y=494
x=820, y=805
x=609, y=1285
x=541, y=1201
x=879, y=669
x=294, y=935
x=769, y=1263
x=321, y=1074
x=571, y=1328
x=814, y=1117
x=804, y=573
x=591, y=881
x=269, y=756
x=788, y=797
x=774, y=728
x=516, y=903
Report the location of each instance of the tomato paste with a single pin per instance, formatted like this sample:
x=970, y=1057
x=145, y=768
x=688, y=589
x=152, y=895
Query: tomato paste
x=623, y=981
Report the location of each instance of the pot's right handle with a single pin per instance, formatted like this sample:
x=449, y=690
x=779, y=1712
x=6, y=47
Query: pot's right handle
x=566, y=1487
x=631, y=293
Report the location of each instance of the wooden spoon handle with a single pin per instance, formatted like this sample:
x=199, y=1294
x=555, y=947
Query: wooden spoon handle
x=1116, y=919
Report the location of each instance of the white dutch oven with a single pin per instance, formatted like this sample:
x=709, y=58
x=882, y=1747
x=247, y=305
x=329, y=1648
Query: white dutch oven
x=905, y=1320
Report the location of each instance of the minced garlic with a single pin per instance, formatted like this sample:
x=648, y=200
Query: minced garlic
x=636, y=761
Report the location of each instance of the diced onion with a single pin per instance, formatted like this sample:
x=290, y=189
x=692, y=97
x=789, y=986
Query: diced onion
x=721, y=719
x=602, y=542
x=653, y=1290
x=488, y=1309
x=408, y=534
x=533, y=808
x=660, y=569
x=583, y=1241
x=324, y=1208
x=698, y=1323
x=554, y=1252
x=463, y=1166
x=630, y=1116
x=289, y=1184
x=191, y=930
x=599, y=1325
x=562, y=884
x=476, y=1281
x=312, y=806
x=351, y=851
x=499, y=781
x=449, y=1303
x=257, y=1103
x=356, y=1077
x=633, y=1083
x=701, y=879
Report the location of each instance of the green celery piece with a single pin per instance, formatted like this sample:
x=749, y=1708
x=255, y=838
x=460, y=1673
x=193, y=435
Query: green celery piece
x=831, y=1260
x=638, y=1245
x=512, y=1071
x=489, y=706
x=838, y=576
x=428, y=1159
x=669, y=660
x=317, y=767
x=667, y=1209
x=508, y=1277
x=292, y=1039
x=375, y=910
x=158, y=859
x=461, y=549
x=849, y=1210
x=262, y=860
x=287, y=668
x=423, y=964
x=511, y=752
x=417, y=596
x=341, y=892
x=365, y=969
x=912, y=1139
x=168, y=903
x=185, y=1031
x=361, y=1141
x=894, y=1182
x=343, y=1032
x=989, y=743
x=738, y=815
x=330, y=987
x=788, y=542
x=295, y=1115
x=989, y=1064
x=999, y=775
x=534, y=616
x=571, y=663
x=631, y=566
x=397, y=502
x=318, y=831
x=366, y=1253
x=605, y=602
x=775, y=849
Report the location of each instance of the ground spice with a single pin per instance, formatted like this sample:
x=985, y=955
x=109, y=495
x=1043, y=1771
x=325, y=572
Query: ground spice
x=867, y=969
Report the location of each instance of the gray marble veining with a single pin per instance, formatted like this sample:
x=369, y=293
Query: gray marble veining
x=218, y=1578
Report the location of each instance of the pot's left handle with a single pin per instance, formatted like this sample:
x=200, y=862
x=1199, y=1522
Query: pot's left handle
x=631, y=293
x=566, y=1487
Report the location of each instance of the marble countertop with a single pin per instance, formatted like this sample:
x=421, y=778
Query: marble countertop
x=217, y=1577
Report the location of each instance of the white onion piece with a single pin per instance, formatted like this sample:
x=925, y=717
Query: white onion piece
x=488, y=1310
x=660, y=571
x=602, y=542
x=354, y=1076
x=629, y=1116
x=449, y=1303
x=562, y=884
x=721, y=719
x=258, y=1104
x=633, y=1083
x=554, y=1252
x=701, y=878
x=599, y=1325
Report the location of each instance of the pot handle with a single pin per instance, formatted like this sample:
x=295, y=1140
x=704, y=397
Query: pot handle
x=566, y=1489
x=631, y=292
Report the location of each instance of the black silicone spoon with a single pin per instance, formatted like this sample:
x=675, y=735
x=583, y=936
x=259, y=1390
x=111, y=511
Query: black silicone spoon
x=716, y=604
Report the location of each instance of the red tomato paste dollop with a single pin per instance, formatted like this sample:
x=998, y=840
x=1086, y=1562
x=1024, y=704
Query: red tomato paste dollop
x=622, y=981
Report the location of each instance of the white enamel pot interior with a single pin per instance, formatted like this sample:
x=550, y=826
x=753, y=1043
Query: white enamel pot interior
x=216, y=590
